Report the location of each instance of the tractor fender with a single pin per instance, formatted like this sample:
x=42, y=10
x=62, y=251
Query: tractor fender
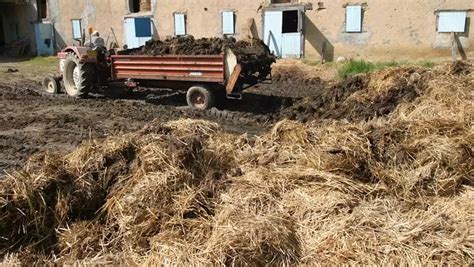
x=81, y=52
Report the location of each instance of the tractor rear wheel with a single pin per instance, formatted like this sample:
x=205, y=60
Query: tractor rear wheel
x=200, y=97
x=78, y=77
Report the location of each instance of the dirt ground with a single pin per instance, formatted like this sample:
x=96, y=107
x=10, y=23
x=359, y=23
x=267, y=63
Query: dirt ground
x=32, y=121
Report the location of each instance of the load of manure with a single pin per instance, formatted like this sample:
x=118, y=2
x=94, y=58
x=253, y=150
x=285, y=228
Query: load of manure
x=253, y=55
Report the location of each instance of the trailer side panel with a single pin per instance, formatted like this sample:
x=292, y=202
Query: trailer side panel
x=170, y=68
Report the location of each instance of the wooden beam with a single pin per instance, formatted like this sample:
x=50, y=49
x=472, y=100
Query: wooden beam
x=454, y=46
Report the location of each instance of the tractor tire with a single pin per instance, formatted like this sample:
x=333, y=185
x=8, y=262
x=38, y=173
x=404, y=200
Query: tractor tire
x=200, y=97
x=78, y=77
x=51, y=84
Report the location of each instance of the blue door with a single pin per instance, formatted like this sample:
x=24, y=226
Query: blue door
x=44, y=39
x=137, y=31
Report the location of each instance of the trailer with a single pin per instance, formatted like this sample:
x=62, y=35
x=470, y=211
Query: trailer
x=83, y=70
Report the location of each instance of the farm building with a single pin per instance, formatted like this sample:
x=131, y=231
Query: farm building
x=381, y=29
x=19, y=20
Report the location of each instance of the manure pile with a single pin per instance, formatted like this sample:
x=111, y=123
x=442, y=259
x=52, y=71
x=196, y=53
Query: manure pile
x=361, y=97
x=396, y=189
x=254, y=55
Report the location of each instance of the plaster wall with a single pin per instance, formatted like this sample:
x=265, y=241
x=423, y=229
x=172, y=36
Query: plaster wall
x=392, y=29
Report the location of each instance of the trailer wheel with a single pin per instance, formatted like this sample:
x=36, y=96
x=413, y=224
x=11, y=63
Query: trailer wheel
x=51, y=84
x=78, y=77
x=200, y=97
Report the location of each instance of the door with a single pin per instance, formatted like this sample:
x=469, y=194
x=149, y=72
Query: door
x=283, y=32
x=272, y=31
x=291, y=45
x=137, y=31
x=44, y=39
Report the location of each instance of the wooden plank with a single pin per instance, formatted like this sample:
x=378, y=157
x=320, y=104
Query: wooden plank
x=234, y=77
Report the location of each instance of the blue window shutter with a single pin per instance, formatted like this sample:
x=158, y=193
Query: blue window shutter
x=179, y=24
x=228, y=23
x=353, y=18
x=452, y=21
x=76, y=29
x=142, y=27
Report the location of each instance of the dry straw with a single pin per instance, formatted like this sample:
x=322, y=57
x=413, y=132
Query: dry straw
x=392, y=190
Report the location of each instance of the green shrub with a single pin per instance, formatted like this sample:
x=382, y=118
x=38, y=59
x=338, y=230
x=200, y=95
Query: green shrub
x=427, y=64
x=355, y=67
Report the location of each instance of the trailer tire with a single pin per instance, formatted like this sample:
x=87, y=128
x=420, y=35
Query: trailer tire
x=78, y=77
x=51, y=84
x=200, y=97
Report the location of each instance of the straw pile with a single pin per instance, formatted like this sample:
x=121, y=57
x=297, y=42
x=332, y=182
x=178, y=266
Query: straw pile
x=397, y=189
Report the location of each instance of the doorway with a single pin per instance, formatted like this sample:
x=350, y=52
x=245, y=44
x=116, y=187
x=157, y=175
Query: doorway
x=290, y=21
x=42, y=9
x=2, y=32
x=283, y=32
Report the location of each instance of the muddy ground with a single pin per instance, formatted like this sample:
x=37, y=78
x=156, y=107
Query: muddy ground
x=32, y=121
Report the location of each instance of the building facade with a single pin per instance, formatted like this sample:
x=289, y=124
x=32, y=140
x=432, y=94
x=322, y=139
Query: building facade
x=373, y=29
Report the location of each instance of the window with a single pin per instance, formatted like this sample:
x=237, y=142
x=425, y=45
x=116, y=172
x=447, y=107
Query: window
x=290, y=21
x=354, y=18
x=228, y=22
x=134, y=6
x=280, y=1
x=137, y=6
x=76, y=29
x=452, y=21
x=42, y=9
x=179, y=24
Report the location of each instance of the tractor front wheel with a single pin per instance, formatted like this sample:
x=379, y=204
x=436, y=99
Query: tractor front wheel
x=51, y=84
x=78, y=77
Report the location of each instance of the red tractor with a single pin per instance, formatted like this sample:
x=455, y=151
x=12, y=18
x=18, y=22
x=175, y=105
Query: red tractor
x=84, y=70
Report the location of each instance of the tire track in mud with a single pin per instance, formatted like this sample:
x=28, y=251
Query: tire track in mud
x=34, y=122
